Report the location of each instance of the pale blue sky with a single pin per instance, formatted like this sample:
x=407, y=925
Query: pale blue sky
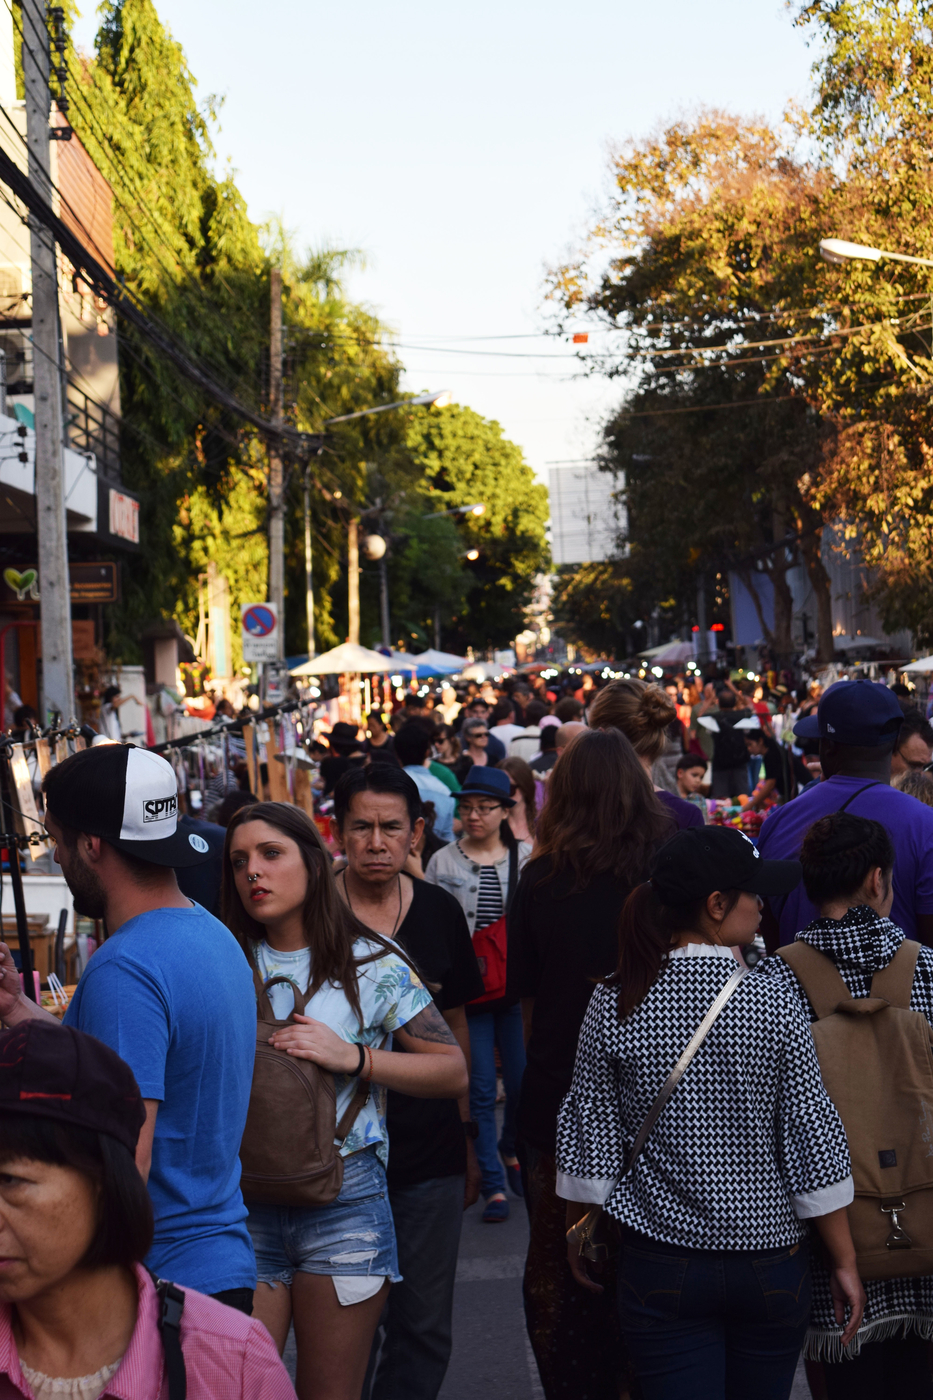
x=462, y=148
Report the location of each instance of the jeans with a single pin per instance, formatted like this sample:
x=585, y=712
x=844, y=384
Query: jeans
x=417, y=1320
x=487, y=1030
x=713, y=1326
x=239, y=1298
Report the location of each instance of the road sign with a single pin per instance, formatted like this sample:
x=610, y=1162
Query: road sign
x=260, y=631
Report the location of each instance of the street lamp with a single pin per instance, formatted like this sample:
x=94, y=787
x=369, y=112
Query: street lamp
x=837, y=250
x=478, y=509
x=440, y=400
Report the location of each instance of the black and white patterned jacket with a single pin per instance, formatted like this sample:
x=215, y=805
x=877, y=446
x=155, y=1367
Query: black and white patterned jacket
x=860, y=944
x=749, y=1145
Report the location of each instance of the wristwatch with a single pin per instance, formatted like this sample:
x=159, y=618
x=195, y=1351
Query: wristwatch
x=471, y=1128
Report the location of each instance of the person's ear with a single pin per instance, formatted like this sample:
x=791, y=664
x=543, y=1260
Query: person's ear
x=716, y=906
x=91, y=848
x=877, y=884
x=416, y=833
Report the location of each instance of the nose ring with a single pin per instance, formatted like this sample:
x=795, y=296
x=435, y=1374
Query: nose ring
x=251, y=879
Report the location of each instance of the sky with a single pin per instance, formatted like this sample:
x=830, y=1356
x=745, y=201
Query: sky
x=462, y=149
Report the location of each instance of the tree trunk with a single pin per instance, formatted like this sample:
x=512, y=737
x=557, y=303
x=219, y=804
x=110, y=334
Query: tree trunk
x=819, y=581
x=783, y=647
x=746, y=575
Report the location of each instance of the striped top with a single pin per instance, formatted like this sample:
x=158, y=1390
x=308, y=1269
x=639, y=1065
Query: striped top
x=489, y=901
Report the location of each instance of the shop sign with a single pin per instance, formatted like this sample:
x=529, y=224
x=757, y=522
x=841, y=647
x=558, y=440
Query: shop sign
x=124, y=517
x=90, y=582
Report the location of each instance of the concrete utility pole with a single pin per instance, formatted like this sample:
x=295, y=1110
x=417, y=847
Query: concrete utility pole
x=276, y=476
x=55, y=593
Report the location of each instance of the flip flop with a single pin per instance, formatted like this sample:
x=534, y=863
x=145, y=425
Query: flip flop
x=497, y=1210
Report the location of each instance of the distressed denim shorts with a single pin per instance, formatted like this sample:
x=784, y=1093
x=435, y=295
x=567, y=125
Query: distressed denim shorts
x=354, y=1236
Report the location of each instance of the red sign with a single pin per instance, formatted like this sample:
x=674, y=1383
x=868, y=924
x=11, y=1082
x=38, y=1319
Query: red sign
x=124, y=517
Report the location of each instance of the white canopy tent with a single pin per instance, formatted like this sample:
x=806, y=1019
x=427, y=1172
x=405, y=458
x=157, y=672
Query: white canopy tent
x=347, y=659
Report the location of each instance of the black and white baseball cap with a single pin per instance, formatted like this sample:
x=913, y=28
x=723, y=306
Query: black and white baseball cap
x=129, y=797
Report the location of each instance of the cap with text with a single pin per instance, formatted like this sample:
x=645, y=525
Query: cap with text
x=862, y=714
x=128, y=796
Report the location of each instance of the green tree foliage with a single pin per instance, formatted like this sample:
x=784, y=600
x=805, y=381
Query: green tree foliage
x=463, y=460
x=706, y=256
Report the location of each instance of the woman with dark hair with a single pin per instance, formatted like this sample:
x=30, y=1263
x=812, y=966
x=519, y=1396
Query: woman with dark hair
x=644, y=714
x=524, y=815
x=596, y=834
x=697, y=1122
x=78, y=1311
x=329, y=1266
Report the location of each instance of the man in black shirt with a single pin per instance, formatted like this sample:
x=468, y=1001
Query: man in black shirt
x=433, y=1174
x=730, y=759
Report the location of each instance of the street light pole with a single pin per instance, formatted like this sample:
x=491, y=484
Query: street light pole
x=353, y=580
x=51, y=526
x=309, y=579
x=276, y=475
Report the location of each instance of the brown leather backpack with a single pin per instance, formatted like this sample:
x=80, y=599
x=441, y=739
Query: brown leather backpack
x=877, y=1064
x=289, y=1156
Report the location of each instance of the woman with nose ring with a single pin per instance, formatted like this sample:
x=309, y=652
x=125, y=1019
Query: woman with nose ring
x=327, y=1268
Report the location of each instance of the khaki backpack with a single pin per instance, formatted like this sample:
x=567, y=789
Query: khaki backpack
x=289, y=1154
x=877, y=1064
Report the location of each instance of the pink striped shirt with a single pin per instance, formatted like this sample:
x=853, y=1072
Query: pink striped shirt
x=228, y=1356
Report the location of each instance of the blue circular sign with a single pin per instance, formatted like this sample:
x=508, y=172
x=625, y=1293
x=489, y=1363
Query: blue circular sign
x=259, y=621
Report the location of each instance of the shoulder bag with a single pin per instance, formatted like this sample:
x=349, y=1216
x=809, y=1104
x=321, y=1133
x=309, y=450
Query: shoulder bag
x=597, y=1233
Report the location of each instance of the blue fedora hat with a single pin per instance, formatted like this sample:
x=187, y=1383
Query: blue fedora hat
x=488, y=782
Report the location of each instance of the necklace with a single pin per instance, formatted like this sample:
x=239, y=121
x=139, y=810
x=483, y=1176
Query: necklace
x=346, y=890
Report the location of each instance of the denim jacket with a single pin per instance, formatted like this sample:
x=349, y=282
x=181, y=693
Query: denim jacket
x=459, y=876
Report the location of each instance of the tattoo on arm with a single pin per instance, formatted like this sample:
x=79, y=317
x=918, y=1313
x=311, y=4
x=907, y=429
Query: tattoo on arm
x=429, y=1024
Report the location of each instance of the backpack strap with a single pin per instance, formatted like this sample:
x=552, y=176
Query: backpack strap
x=857, y=793
x=513, y=876
x=895, y=982
x=171, y=1306
x=818, y=976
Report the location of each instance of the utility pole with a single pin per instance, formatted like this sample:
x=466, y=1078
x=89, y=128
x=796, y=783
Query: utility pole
x=55, y=592
x=276, y=475
x=384, y=621
x=353, y=580
x=309, y=579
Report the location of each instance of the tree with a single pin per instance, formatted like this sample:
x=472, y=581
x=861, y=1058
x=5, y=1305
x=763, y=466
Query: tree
x=463, y=459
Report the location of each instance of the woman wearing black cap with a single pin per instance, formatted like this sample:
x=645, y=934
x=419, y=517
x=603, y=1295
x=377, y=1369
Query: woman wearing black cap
x=714, y=1287
x=78, y=1311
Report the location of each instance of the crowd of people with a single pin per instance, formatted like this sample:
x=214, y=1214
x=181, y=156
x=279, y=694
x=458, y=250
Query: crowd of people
x=276, y=1084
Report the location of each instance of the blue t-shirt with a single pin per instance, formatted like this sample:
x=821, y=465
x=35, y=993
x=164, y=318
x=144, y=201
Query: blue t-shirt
x=909, y=824
x=172, y=994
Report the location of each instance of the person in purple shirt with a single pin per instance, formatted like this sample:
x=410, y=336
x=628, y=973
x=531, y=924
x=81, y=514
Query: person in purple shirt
x=857, y=725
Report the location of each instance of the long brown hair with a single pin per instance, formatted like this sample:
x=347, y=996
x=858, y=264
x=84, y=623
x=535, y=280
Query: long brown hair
x=648, y=930
x=524, y=780
x=330, y=926
x=601, y=813
x=641, y=712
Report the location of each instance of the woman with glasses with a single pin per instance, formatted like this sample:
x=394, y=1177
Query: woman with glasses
x=474, y=740
x=481, y=871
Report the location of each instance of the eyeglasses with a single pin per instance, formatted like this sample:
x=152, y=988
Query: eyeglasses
x=482, y=809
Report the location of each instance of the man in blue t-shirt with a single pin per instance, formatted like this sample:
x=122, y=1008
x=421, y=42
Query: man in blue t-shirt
x=857, y=725
x=171, y=992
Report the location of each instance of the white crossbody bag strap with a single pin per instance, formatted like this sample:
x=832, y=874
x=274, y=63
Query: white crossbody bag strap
x=677, y=1073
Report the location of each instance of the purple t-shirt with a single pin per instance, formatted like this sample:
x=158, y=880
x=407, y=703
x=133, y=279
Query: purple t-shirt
x=909, y=824
x=684, y=813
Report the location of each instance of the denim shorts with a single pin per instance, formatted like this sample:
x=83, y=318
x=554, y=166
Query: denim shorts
x=354, y=1236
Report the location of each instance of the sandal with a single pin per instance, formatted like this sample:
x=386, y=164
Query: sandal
x=497, y=1209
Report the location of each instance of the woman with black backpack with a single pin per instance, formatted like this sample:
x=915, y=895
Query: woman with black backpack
x=331, y=993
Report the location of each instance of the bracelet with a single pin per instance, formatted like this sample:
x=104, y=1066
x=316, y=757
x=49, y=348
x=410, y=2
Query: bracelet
x=359, y=1069
x=368, y=1078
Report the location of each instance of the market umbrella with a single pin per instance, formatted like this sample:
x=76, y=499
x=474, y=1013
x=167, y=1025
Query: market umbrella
x=922, y=667
x=348, y=658
x=443, y=663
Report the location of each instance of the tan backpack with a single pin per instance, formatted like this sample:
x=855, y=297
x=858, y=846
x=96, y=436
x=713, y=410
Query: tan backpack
x=289, y=1156
x=877, y=1064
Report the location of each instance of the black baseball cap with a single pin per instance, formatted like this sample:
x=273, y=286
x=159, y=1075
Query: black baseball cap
x=700, y=860
x=129, y=797
x=864, y=714
x=58, y=1072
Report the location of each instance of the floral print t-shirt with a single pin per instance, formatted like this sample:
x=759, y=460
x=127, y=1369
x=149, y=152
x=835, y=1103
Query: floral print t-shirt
x=390, y=995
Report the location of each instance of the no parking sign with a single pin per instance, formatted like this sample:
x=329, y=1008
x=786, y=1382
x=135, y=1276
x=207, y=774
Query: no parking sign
x=260, y=631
